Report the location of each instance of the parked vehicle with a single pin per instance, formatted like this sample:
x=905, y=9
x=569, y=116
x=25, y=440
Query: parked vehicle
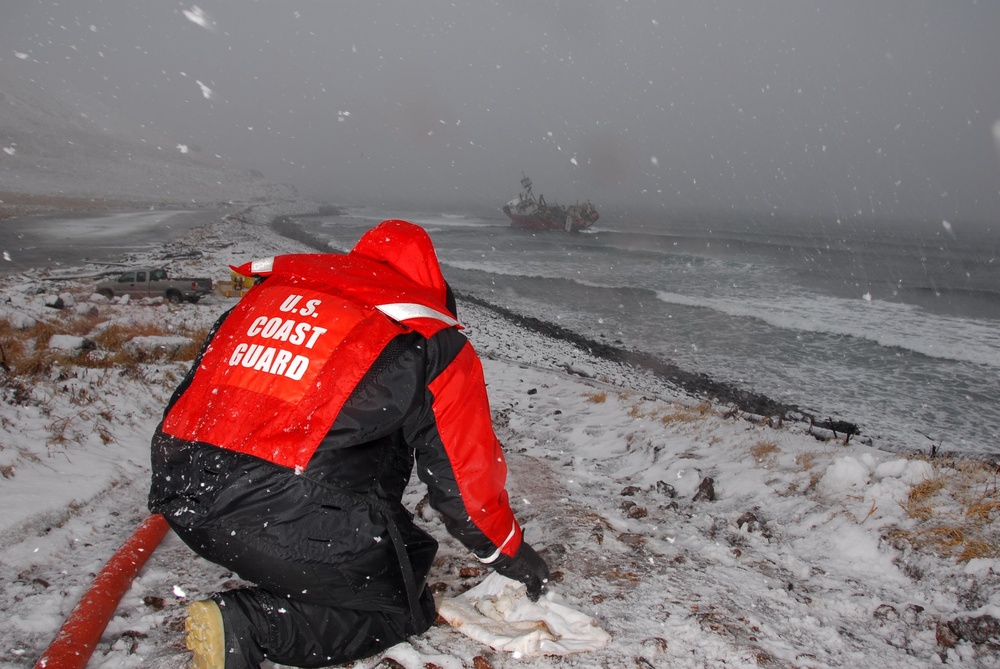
x=155, y=282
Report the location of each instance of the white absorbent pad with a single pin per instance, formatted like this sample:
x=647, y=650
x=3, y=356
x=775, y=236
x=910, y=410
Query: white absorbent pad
x=497, y=612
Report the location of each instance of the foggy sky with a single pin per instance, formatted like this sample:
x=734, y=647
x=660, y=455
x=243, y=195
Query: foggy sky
x=853, y=108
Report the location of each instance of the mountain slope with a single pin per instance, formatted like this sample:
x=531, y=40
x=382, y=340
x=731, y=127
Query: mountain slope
x=50, y=146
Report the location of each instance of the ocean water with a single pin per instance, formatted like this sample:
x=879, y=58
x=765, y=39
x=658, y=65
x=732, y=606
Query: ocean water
x=892, y=326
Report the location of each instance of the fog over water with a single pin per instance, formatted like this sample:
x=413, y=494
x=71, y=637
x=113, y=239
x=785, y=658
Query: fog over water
x=848, y=109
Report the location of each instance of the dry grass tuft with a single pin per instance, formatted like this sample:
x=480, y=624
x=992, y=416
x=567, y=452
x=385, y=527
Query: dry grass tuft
x=944, y=536
x=921, y=492
x=806, y=460
x=978, y=549
x=919, y=512
x=22, y=356
x=25, y=355
x=983, y=509
x=954, y=511
x=916, y=505
x=116, y=336
x=32, y=374
x=764, y=449
x=680, y=413
x=597, y=398
x=190, y=351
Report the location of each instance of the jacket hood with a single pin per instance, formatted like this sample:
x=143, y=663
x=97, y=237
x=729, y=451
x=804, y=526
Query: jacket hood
x=400, y=248
x=406, y=248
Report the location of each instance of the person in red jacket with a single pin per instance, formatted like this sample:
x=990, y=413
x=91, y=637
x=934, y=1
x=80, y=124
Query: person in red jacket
x=284, y=454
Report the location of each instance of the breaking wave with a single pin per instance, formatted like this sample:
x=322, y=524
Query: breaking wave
x=884, y=323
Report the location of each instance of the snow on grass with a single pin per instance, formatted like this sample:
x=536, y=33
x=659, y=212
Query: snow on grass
x=695, y=537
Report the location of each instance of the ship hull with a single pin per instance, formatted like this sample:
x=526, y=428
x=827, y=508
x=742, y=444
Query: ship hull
x=551, y=220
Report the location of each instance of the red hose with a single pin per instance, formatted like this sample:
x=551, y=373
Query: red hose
x=76, y=640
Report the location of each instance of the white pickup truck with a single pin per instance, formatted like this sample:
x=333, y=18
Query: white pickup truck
x=155, y=282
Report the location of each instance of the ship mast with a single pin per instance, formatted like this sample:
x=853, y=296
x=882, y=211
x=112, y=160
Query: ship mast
x=526, y=185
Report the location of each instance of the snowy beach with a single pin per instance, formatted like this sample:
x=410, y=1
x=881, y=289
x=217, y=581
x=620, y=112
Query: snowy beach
x=751, y=415
x=694, y=533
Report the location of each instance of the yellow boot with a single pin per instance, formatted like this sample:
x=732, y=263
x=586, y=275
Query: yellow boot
x=206, y=637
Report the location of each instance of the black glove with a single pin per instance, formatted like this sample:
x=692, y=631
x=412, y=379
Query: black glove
x=526, y=566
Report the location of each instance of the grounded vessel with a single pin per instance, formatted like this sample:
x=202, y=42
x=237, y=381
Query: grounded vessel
x=530, y=213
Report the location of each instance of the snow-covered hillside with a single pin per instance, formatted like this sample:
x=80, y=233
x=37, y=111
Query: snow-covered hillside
x=81, y=149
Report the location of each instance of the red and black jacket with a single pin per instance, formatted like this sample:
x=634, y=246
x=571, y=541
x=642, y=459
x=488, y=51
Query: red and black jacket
x=298, y=425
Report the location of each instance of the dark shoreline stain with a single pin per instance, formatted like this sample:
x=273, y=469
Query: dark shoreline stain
x=697, y=385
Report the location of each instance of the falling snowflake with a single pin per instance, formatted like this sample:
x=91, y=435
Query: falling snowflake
x=9, y=150
x=182, y=148
x=205, y=90
x=198, y=16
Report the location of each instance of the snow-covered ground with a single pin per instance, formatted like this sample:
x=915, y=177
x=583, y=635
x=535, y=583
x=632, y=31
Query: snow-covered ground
x=801, y=553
